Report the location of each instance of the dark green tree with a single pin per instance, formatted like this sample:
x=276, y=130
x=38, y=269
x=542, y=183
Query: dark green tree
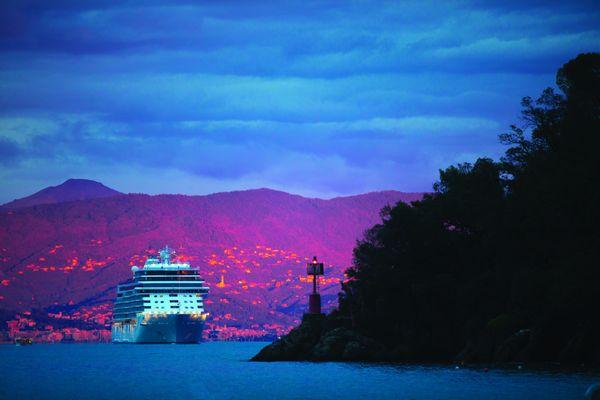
x=500, y=262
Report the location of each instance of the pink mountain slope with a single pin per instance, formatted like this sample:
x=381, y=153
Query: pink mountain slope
x=61, y=262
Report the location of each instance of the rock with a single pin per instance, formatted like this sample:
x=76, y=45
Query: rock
x=347, y=345
x=297, y=344
x=364, y=349
x=330, y=346
x=511, y=349
x=593, y=392
x=583, y=345
x=318, y=340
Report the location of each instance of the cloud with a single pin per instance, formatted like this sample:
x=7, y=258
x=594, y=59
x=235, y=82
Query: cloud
x=358, y=154
x=239, y=94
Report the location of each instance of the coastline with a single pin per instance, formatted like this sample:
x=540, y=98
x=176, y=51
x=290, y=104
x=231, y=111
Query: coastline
x=329, y=338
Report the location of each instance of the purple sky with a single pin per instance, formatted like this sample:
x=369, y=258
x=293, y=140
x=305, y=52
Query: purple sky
x=312, y=97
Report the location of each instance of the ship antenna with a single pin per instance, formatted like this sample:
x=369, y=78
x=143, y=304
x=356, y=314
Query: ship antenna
x=165, y=255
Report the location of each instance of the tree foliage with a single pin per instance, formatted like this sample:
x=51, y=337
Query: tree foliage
x=500, y=262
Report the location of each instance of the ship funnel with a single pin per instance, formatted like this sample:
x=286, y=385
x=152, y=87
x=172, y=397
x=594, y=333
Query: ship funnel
x=165, y=255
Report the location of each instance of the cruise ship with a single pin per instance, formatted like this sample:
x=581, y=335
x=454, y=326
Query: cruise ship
x=162, y=303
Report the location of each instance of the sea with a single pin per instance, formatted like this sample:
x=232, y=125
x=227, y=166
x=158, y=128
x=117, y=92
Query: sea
x=222, y=370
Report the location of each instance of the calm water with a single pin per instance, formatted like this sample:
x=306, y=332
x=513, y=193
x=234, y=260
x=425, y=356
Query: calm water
x=221, y=371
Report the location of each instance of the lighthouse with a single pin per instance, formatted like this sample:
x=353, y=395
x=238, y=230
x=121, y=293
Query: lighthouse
x=315, y=269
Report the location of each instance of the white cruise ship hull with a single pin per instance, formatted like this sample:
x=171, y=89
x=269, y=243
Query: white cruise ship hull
x=170, y=328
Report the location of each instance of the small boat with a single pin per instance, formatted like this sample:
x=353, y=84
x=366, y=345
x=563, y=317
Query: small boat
x=23, y=341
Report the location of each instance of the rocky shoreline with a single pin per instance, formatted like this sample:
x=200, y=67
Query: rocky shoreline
x=323, y=338
x=331, y=337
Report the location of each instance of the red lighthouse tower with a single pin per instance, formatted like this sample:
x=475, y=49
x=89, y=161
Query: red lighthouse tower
x=315, y=269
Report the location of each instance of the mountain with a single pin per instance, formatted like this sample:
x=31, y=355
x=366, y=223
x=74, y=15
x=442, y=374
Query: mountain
x=69, y=190
x=61, y=262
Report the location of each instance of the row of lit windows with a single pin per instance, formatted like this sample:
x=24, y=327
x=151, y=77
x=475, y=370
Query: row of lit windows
x=171, y=279
x=165, y=272
x=182, y=301
x=176, y=290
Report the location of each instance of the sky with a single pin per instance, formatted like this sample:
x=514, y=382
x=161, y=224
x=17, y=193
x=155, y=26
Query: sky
x=318, y=98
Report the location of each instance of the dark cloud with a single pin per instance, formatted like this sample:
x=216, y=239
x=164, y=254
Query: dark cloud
x=229, y=94
x=308, y=39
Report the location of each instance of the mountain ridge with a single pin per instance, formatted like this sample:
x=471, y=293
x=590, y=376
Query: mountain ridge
x=70, y=190
x=47, y=195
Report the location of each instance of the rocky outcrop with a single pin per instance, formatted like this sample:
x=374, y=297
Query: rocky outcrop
x=332, y=338
x=576, y=345
x=322, y=338
x=297, y=344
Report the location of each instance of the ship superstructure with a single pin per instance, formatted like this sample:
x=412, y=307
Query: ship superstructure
x=162, y=303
